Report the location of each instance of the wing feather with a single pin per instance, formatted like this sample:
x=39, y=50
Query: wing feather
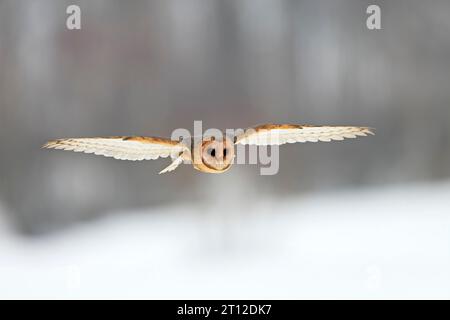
x=277, y=134
x=122, y=148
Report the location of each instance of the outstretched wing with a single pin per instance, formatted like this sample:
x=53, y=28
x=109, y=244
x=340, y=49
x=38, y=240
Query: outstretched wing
x=122, y=148
x=277, y=134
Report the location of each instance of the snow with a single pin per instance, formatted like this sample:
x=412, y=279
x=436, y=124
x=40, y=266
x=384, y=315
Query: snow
x=376, y=243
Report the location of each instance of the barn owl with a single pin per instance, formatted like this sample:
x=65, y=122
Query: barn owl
x=207, y=154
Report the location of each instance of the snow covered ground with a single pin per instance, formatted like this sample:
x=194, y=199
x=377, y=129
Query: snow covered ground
x=389, y=243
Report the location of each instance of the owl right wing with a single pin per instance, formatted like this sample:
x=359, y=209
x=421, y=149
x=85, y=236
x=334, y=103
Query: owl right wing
x=277, y=134
x=122, y=148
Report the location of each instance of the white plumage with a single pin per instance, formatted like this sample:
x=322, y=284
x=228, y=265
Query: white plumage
x=281, y=134
x=122, y=148
x=150, y=148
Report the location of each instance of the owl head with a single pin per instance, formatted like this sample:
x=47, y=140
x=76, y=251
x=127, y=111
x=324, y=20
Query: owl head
x=214, y=156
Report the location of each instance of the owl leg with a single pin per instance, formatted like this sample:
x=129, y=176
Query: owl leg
x=175, y=163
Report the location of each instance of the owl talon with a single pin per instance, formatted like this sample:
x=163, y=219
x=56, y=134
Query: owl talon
x=175, y=163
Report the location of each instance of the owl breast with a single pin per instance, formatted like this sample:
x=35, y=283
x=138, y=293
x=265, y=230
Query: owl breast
x=213, y=156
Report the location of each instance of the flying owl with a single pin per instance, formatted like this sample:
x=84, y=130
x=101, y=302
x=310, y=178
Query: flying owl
x=207, y=154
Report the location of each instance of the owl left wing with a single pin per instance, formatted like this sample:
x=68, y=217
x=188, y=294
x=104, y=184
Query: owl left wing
x=277, y=134
x=122, y=148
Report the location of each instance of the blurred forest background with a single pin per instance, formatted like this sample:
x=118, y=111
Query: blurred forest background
x=148, y=67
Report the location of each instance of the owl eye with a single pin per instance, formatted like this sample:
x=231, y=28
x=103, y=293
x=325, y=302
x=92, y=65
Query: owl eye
x=212, y=152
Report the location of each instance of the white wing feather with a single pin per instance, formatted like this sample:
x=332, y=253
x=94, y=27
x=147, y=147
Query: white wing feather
x=122, y=148
x=272, y=134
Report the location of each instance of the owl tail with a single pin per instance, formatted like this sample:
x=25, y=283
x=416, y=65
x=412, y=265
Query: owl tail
x=175, y=163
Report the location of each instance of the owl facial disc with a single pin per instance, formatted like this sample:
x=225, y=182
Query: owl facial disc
x=216, y=156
